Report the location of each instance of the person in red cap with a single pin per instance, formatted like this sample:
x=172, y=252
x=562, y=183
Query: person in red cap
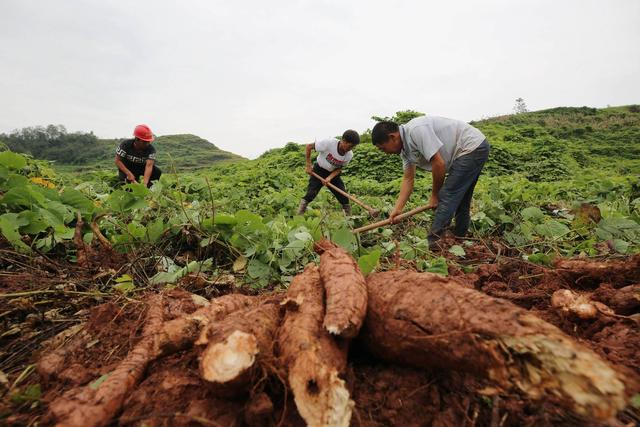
x=137, y=157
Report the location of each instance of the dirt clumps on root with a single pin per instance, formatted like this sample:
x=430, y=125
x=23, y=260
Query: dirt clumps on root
x=432, y=351
x=345, y=288
x=96, y=406
x=181, y=332
x=624, y=301
x=312, y=360
x=428, y=321
x=174, y=394
x=240, y=348
x=588, y=274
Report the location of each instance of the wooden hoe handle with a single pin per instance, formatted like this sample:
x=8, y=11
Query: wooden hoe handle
x=388, y=221
x=344, y=193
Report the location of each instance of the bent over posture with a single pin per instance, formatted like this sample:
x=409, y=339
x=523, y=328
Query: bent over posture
x=333, y=156
x=445, y=147
x=136, y=157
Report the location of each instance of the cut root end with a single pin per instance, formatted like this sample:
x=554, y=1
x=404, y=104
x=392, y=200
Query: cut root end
x=228, y=360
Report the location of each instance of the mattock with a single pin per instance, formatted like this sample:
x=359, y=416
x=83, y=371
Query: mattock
x=373, y=212
x=388, y=220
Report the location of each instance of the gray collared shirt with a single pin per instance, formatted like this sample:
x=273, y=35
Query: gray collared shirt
x=425, y=136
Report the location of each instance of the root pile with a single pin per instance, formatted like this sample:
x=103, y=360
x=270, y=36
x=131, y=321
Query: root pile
x=339, y=350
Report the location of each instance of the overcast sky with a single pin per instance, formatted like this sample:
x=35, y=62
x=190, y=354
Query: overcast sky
x=252, y=75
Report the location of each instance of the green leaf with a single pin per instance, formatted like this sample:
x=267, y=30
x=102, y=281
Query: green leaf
x=124, y=284
x=257, y=269
x=198, y=266
x=63, y=233
x=621, y=246
x=438, y=266
x=532, y=214
x=368, y=263
x=387, y=232
x=345, y=238
x=23, y=196
x=552, y=228
x=15, y=180
x=4, y=173
x=457, y=250
x=124, y=278
x=9, y=225
x=31, y=394
x=123, y=201
x=225, y=219
x=45, y=244
x=166, y=277
x=35, y=222
x=136, y=230
x=77, y=200
x=305, y=236
x=540, y=258
x=138, y=190
x=51, y=217
x=155, y=230
x=12, y=160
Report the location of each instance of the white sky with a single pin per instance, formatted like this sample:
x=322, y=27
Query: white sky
x=249, y=75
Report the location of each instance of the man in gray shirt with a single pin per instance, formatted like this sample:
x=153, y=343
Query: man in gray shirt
x=445, y=147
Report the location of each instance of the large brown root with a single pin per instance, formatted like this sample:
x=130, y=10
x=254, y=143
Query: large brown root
x=51, y=364
x=312, y=359
x=180, y=333
x=346, y=291
x=238, y=346
x=96, y=405
x=428, y=321
x=81, y=248
x=588, y=273
x=624, y=301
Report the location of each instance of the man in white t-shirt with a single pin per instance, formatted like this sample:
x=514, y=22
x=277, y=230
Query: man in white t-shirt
x=333, y=155
x=445, y=147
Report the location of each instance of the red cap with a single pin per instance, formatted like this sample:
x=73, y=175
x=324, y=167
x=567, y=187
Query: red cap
x=143, y=132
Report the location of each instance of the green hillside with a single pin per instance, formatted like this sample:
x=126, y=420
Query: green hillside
x=542, y=146
x=84, y=151
x=545, y=167
x=186, y=152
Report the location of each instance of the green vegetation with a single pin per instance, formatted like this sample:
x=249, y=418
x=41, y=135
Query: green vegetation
x=239, y=217
x=84, y=151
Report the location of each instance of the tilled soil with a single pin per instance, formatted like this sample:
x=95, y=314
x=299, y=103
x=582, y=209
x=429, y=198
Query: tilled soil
x=172, y=392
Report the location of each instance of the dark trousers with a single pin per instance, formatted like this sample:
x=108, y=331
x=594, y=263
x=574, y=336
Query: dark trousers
x=315, y=185
x=138, y=171
x=457, y=191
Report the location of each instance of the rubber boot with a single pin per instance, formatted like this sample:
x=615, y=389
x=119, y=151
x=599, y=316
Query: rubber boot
x=302, y=207
x=347, y=209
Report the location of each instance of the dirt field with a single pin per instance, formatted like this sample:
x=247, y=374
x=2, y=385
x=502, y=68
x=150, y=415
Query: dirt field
x=45, y=300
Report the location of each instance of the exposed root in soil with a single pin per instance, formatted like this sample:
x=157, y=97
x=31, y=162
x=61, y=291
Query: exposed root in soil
x=434, y=351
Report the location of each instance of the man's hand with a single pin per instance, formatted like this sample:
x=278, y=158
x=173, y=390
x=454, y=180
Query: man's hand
x=433, y=202
x=392, y=216
x=131, y=177
x=308, y=169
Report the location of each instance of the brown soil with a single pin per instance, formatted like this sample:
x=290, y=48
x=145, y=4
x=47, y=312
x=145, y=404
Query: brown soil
x=173, y=393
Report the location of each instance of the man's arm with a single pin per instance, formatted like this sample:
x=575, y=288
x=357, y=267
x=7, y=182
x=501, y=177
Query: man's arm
x=333, y=174
x=307, y=153
x=437, y=173
x=130, y=176
x=406, y=188
x=148, y=169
